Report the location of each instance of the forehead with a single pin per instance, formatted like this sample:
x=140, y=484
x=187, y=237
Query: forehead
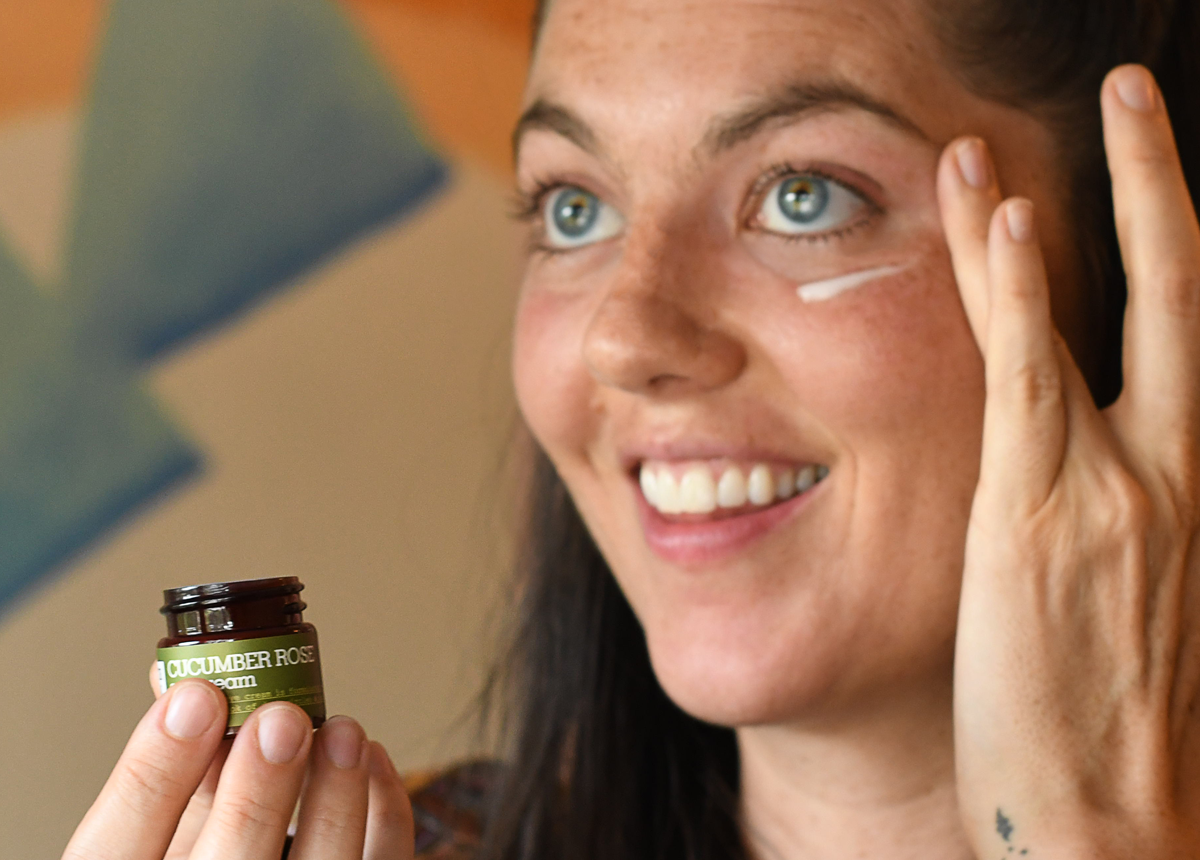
x=727, y=33
x=659, y=64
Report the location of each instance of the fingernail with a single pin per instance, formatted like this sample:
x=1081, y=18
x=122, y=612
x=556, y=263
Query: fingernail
x=192, y=709
x=1136, y=89
x=281, y=733
x=973, y=163
x=342, y=740
x=1019, y=214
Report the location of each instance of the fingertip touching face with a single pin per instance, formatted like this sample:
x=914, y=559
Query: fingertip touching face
x=739, y=337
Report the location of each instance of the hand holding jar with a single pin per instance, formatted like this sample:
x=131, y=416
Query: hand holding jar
x=182, y=789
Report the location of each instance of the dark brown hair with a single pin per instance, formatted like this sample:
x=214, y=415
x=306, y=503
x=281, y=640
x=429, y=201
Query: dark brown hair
x=1049, y=58
x=602, y=765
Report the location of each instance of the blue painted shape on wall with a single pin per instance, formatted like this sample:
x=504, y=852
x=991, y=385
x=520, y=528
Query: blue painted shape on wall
x=80, y=441
x=229, y=145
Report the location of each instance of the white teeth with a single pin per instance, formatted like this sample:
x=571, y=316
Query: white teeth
x=697, y=493
x=731, y=489
x=649, y=482
x=668, y=493
x=760, y=488
x=785, y=486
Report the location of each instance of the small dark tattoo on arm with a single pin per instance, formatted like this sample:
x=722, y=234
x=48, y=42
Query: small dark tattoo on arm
x=1005, y=828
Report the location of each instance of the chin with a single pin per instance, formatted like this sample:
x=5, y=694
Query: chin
x=744, y=682
x=803, y=662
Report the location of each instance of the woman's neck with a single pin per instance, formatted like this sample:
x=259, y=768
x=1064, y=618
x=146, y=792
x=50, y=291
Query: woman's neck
x=878, y=785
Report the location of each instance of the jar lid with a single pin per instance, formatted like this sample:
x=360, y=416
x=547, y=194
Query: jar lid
x=235, y=591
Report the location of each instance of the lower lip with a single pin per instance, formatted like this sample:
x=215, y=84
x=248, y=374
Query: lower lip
x=704, y=542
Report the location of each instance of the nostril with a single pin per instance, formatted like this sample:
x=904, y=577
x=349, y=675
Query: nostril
x=665, y=380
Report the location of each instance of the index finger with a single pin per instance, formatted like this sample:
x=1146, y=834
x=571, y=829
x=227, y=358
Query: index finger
x=137, y=811
x=1160, y=248
x=968, y=194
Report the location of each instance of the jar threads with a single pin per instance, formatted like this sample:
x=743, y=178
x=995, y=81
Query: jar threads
x=249, y=638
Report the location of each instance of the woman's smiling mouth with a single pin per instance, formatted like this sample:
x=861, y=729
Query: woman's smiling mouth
x=728, y=489
x=700, y=511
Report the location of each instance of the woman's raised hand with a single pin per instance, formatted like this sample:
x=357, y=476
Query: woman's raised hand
x=1078, y=655
x=178, y=791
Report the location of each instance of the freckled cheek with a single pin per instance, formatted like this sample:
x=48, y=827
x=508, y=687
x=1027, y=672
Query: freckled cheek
x=893, y=361
x=553, y=385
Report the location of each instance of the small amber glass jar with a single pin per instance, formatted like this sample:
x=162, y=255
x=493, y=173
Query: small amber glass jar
x=249, y=638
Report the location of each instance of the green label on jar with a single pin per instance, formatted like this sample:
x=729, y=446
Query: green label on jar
x=252, y=672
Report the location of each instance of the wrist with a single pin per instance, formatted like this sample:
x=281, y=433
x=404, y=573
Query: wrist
x=1013, y=834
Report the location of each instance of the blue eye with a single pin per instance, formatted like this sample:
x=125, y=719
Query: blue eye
x=574, y=217
x=802, y=198
x=808, y=204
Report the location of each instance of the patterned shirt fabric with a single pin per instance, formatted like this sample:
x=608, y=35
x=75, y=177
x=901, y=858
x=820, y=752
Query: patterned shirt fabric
x=449, y=808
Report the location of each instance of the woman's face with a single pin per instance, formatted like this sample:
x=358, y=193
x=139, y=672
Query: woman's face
x=697, y=172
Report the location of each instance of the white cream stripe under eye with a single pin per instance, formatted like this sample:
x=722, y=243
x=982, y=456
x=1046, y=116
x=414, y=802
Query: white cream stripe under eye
x=819, y=291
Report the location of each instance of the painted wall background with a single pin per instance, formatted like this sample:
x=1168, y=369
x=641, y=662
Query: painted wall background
x=256, y=276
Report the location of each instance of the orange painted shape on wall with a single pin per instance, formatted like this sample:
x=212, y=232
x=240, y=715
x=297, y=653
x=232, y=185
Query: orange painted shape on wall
x=510, y=16
x=46, y=51
x=462, y=64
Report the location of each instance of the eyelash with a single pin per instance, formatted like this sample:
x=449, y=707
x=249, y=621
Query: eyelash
x=527, y=206
x=785, y=170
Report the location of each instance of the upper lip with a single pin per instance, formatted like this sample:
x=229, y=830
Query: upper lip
x=632, y=456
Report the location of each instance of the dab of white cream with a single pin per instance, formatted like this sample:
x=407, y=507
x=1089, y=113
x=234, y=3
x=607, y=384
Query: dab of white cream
x=819, y=291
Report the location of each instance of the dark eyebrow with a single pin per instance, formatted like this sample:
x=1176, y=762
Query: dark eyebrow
x=790, y=103
x=551, y=117
x=793, y=102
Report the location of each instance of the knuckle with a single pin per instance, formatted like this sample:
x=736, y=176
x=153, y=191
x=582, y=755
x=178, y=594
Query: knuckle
x=143, y=785
x=1179, y=480
x=1021, y=292
x=327, y=823
x=245, y=812
x=1130, y=510
x=1153, y=156
x=1182, y=515
x=1179, y=294
x=1032, y=385
x=93, y=851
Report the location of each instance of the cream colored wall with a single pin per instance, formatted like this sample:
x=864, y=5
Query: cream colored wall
x=353, y=429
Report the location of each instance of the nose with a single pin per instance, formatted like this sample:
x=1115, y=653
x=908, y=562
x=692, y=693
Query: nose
x=652, y=333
